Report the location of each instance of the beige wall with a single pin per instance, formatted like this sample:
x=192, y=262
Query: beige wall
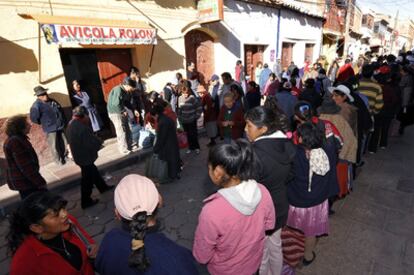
x=19, y=45
x=357, y=20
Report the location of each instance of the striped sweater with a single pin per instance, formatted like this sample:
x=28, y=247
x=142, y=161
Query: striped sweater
x=189, y=109
x=373, y=92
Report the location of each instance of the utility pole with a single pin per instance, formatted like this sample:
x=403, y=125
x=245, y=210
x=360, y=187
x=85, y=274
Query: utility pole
x=394, y=31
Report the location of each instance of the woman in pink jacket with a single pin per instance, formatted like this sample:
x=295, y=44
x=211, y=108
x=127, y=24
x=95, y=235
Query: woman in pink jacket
x=231, y=229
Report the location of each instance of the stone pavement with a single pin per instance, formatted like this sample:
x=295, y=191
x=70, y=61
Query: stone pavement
x=65, y=176
x=372, y=231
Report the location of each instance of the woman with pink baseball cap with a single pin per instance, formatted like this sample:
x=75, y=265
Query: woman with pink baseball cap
x=137, y=247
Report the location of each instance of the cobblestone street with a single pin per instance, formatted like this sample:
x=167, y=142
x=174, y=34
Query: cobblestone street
x=372, y=231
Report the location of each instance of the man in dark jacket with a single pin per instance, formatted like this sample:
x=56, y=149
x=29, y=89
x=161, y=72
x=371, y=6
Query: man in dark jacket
x=85, y=146
x=48, y=113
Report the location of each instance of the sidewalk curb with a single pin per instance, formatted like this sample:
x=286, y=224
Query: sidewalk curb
x=59, y=186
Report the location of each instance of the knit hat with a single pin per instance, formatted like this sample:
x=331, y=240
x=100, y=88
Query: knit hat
x=134, y=194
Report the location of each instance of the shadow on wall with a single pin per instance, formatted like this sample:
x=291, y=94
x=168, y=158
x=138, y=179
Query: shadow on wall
x=304, y=20
x=169, y=4
x=226, y=38
x=15, y=58
x=240, y=7
x=165, y=58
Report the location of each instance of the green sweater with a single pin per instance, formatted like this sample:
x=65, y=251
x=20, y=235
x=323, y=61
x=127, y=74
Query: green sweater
x=116, y=100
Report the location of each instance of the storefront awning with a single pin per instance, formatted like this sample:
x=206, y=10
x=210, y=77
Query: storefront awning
x=96, y=31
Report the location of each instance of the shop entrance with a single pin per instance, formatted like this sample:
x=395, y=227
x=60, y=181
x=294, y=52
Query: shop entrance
x=199, y=49
x=252, y=55
x=98, y=72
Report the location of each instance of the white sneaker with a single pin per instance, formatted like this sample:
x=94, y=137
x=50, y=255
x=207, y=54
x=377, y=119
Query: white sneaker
x=125, y=153
x=188, y=152
x=135, y=148
x=197, y=151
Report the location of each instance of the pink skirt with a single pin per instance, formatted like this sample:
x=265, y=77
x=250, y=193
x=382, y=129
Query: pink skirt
x=312, y=221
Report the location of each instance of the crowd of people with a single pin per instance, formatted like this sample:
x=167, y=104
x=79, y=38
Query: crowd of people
x=283, y=150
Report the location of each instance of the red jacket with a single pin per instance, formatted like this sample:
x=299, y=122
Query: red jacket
x=238, y=118
x=345, y=72
x=35, y=258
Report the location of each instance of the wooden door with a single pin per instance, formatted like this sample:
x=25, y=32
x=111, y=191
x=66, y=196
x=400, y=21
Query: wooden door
x=113, y=66
x=199, y=48
x=252, y=55
x=257, y=56
x=248, y=61
x=286, y=54
x=309, y=52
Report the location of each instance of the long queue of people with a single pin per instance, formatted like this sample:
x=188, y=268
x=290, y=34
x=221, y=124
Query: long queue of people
x=279, y=168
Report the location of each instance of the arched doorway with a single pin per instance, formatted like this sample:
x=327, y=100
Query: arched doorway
x=199, y=48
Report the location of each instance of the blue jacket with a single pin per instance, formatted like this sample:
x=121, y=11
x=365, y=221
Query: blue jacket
x=298, y=194
x=286, y=101
x=164, y=255
x=48, y=114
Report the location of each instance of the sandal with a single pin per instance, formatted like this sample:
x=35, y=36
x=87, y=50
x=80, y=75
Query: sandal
x=306, y=262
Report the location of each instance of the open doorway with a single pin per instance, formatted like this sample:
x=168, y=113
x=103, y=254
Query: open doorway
x=252, y=55
x=98, y=71
x=199, y=49
x=287, y=51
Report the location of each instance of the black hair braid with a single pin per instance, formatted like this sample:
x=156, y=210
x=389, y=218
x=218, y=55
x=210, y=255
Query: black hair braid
x=249, y=164
x=138, y=229
x=19, y=229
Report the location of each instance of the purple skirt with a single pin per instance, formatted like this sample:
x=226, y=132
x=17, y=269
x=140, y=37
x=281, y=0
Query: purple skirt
x=312, y=221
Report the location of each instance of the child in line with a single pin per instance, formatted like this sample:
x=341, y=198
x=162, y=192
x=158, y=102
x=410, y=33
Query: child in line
x=231, y=228
x=231, y=119
x=308, y=193
x=137, y=247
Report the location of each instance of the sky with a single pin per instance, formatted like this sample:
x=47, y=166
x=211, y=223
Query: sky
x=390, y=7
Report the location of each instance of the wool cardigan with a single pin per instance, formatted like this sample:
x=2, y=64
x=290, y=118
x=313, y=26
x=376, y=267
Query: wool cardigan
x=349, y=149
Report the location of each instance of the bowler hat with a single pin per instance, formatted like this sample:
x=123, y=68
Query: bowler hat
x=39, y=90
x=329, y=107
